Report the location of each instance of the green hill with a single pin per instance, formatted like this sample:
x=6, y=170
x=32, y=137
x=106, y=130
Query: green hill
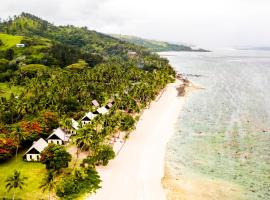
x=154, y=45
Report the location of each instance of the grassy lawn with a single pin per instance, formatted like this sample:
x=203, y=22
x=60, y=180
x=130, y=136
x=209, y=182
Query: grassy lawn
x=34, y=171
x=5, y=91
x=9, y=41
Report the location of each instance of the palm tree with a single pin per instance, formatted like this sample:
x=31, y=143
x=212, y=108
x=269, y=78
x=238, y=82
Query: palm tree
x=66, y=123
x=48, y=183
x=19, y=136
x=15, y=181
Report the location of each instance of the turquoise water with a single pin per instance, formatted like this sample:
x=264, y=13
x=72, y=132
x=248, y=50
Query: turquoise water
x=225, y=128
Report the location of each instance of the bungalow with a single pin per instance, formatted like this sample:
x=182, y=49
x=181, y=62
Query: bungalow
x=102, y=110
x=58, y=136
x=20, y=45
x=88, y=117
x=74, y=126
x=33, y=153
x=95, y=103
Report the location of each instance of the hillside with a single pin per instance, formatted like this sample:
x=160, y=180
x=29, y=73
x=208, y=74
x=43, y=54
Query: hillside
x=154, y=45
x=54, y=75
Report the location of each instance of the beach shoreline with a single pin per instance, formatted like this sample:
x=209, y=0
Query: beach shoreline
x=137, y=172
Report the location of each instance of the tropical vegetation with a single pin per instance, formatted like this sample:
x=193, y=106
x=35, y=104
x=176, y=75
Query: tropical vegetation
x=155, y=45
x=55, y=77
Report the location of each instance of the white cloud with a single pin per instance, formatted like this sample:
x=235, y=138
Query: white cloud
x=207, y=23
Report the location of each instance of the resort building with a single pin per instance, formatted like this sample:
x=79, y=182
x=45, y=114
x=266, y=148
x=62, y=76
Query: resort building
x=20, y=45
x=59, y=137
x=88, y=117
x=33, y=153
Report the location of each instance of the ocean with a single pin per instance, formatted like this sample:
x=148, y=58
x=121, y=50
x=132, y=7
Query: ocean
x=223, y=133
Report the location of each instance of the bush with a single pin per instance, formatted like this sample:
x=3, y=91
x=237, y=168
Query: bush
x=81, y=181
x=55, y=157
x=32, y=70
x=103, y=155
x=80, y=65
x=3, y=65
x=127, y=122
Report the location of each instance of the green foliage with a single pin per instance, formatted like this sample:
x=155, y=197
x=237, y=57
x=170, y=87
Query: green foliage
x=48, y=183
x=15, y=181
x=32, y=170
x=80, y=65
x=3, y=65
x=127, y=122
x=98, y=68
x=62, y=69
x=154, y=45
x=33, y=68
x=9, y=41
x=55, y=157
x=81, y=181
x=102, y=155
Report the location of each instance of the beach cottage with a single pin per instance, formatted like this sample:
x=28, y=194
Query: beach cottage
x=58, y=136
x=87, y=118
x=33, y=153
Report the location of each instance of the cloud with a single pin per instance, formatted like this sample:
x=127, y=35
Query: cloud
x=207, y=23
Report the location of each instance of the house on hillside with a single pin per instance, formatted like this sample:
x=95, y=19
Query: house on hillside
x=20, y=45
x=33, y=153
x=95, y=103
x=88, y=117
x=58, y=136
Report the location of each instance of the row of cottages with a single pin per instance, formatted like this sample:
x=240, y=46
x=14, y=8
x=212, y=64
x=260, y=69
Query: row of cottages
x=58, y=136
x=61, y=137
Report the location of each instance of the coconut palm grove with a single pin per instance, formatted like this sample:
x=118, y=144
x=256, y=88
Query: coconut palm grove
x=51, y=74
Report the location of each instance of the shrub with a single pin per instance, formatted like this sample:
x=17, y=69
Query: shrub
x=55, y=157
x=103, y=154
x=127, y=122
x=81, y=181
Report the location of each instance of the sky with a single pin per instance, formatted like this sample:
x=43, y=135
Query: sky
x=204, y=23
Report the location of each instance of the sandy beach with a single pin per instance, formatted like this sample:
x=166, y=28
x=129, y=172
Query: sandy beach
x=136, y=173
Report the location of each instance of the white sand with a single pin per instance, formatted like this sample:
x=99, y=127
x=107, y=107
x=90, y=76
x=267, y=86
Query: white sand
x=136, y=173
